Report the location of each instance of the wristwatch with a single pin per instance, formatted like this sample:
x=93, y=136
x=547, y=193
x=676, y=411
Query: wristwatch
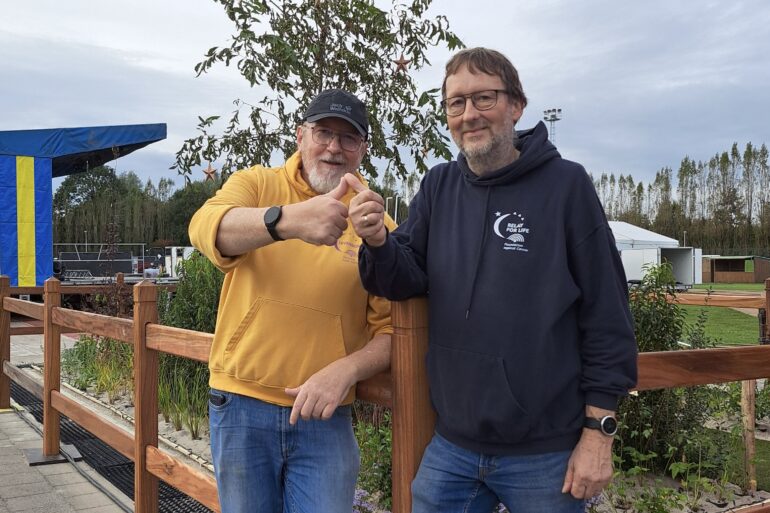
x=272, y=216
x=607, y=425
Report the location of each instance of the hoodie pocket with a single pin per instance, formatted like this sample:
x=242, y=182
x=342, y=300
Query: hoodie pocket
x=473, y=398
x=281, y=344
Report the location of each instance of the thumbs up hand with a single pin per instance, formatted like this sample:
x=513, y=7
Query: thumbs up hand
x=320, y=220
x=367, y=213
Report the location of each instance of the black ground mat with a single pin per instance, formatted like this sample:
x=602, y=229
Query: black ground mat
x=108, y=462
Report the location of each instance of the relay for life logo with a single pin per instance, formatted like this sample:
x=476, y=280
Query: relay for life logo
x=513, y=229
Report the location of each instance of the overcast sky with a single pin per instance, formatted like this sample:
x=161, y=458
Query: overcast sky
x=640, y=84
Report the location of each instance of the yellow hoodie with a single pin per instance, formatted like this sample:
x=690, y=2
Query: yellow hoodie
x=288, y=309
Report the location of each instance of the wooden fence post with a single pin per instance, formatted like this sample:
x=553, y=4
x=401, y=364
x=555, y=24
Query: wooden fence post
x=748, y=413
x=765, y=329
x=51, y=366
x=413, y=415
x=145, y=397
x=5, y=344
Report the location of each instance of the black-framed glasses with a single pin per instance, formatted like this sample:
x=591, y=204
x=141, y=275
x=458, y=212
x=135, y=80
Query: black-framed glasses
x=325, y=136
x=482, y=100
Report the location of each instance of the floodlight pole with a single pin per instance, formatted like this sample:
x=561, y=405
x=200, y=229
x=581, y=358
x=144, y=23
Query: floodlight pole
x=552, y=116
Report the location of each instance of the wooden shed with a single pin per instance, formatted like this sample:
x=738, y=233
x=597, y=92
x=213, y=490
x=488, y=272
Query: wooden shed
x=735, y=269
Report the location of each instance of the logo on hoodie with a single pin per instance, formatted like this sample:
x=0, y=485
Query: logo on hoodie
x=511, y=227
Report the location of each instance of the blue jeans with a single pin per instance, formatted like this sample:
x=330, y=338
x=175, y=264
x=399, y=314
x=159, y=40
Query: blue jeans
x=265, y=465
x=454, y=480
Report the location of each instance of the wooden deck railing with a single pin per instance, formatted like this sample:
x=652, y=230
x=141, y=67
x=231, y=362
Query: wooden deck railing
x=404, y=388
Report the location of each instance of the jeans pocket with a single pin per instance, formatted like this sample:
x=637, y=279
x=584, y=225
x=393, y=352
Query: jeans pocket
x=218, y=400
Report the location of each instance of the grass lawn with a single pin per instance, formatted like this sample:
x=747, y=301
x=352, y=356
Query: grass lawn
x=762, y=461
x=727, y=326
x=753, y=287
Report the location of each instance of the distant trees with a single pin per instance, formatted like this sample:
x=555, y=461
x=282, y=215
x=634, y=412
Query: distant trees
x=86, y=204
x=723, y=204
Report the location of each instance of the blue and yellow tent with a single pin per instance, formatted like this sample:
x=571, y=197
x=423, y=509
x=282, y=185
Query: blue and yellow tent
x=29, y=159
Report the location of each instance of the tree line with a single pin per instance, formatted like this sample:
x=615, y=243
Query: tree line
x=721, y=205
x=102, y=206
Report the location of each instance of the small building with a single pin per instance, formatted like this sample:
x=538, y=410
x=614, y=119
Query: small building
x=639, y=248
x=735, y=269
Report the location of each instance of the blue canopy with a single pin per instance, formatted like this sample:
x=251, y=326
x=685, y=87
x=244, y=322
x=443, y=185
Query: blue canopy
x=73, y=150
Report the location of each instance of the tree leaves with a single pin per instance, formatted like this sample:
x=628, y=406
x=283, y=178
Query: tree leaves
x=289, y=51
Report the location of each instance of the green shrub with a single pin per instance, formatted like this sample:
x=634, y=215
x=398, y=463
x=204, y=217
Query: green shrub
x=183, y=383
x=375, y=443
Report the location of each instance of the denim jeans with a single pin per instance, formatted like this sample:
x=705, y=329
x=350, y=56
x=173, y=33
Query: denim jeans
x=454, y=480
x=265, y=465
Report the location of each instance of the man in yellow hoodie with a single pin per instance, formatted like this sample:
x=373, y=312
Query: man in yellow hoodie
x=295, y=328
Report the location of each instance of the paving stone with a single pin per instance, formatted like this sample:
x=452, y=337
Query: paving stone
x=23, y=490
x=50, y=501
x=62, y=468
x=24, y=477
x=70, y=490
x=103, y=509
x=66, y=479
x=92, y=500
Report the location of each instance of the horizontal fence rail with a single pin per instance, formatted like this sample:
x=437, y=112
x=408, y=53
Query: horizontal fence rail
x=404, y=388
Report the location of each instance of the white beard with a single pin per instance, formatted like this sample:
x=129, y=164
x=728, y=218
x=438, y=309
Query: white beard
x=323, y=184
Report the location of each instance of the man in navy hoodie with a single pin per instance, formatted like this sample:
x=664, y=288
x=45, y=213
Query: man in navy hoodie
x=531, y=339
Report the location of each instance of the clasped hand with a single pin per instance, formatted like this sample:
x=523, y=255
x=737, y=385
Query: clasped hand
x=323, y=219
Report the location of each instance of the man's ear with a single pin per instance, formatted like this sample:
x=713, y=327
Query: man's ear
x=299, y=134
x=517, y=111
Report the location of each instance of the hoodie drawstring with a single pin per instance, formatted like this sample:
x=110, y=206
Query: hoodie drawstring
x=484, y=231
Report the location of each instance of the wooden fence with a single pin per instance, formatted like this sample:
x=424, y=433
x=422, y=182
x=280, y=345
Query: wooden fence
x=404, y=388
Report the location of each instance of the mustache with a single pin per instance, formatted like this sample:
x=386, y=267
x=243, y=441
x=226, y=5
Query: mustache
x=333, y=160
x=467, y=127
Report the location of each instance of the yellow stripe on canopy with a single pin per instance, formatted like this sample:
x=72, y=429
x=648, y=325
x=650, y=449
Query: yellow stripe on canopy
x=25, y=219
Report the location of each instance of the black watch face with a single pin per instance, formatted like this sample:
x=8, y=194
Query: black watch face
x=272, y=215
x=609, y=425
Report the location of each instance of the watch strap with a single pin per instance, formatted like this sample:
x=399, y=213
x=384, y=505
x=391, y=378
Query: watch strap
x=272, y=216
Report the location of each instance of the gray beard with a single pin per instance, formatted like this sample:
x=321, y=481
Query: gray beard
x=493, y=155
x=322, y=184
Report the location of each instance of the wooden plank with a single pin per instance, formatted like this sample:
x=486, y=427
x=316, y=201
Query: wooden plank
x=26, y=381
x=109, y=433
x=86, y=322
x=753, y=301
x=26, y=330
x=413, y=415
x=668, y=369
x=51, y=367
x=756, y=508
x=5, y=343
x=36, y=330
x=25, y=308
x=378, y=389
x=187, y=343
x=18, y=291
x=196, y=484
x=145, y=397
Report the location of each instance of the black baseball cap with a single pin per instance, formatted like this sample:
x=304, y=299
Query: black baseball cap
x=336, y=103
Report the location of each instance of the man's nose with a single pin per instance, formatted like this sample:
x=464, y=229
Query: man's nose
x=470, y=113
x=334, y=145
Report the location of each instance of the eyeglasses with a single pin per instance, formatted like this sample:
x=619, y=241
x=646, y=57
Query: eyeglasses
x=324, y=137
x=482, y=100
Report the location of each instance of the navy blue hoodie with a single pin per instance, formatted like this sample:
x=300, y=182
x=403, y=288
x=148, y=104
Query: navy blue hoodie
x=529, y=317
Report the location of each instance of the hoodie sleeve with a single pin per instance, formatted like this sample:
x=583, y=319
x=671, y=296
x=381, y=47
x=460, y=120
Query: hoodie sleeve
x=396, y=270
x=608, y=347
x=240, y=190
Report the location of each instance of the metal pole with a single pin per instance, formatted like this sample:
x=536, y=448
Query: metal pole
x=395, y=211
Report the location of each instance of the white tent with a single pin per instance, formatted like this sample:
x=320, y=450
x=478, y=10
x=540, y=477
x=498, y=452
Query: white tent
x=628, y=236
